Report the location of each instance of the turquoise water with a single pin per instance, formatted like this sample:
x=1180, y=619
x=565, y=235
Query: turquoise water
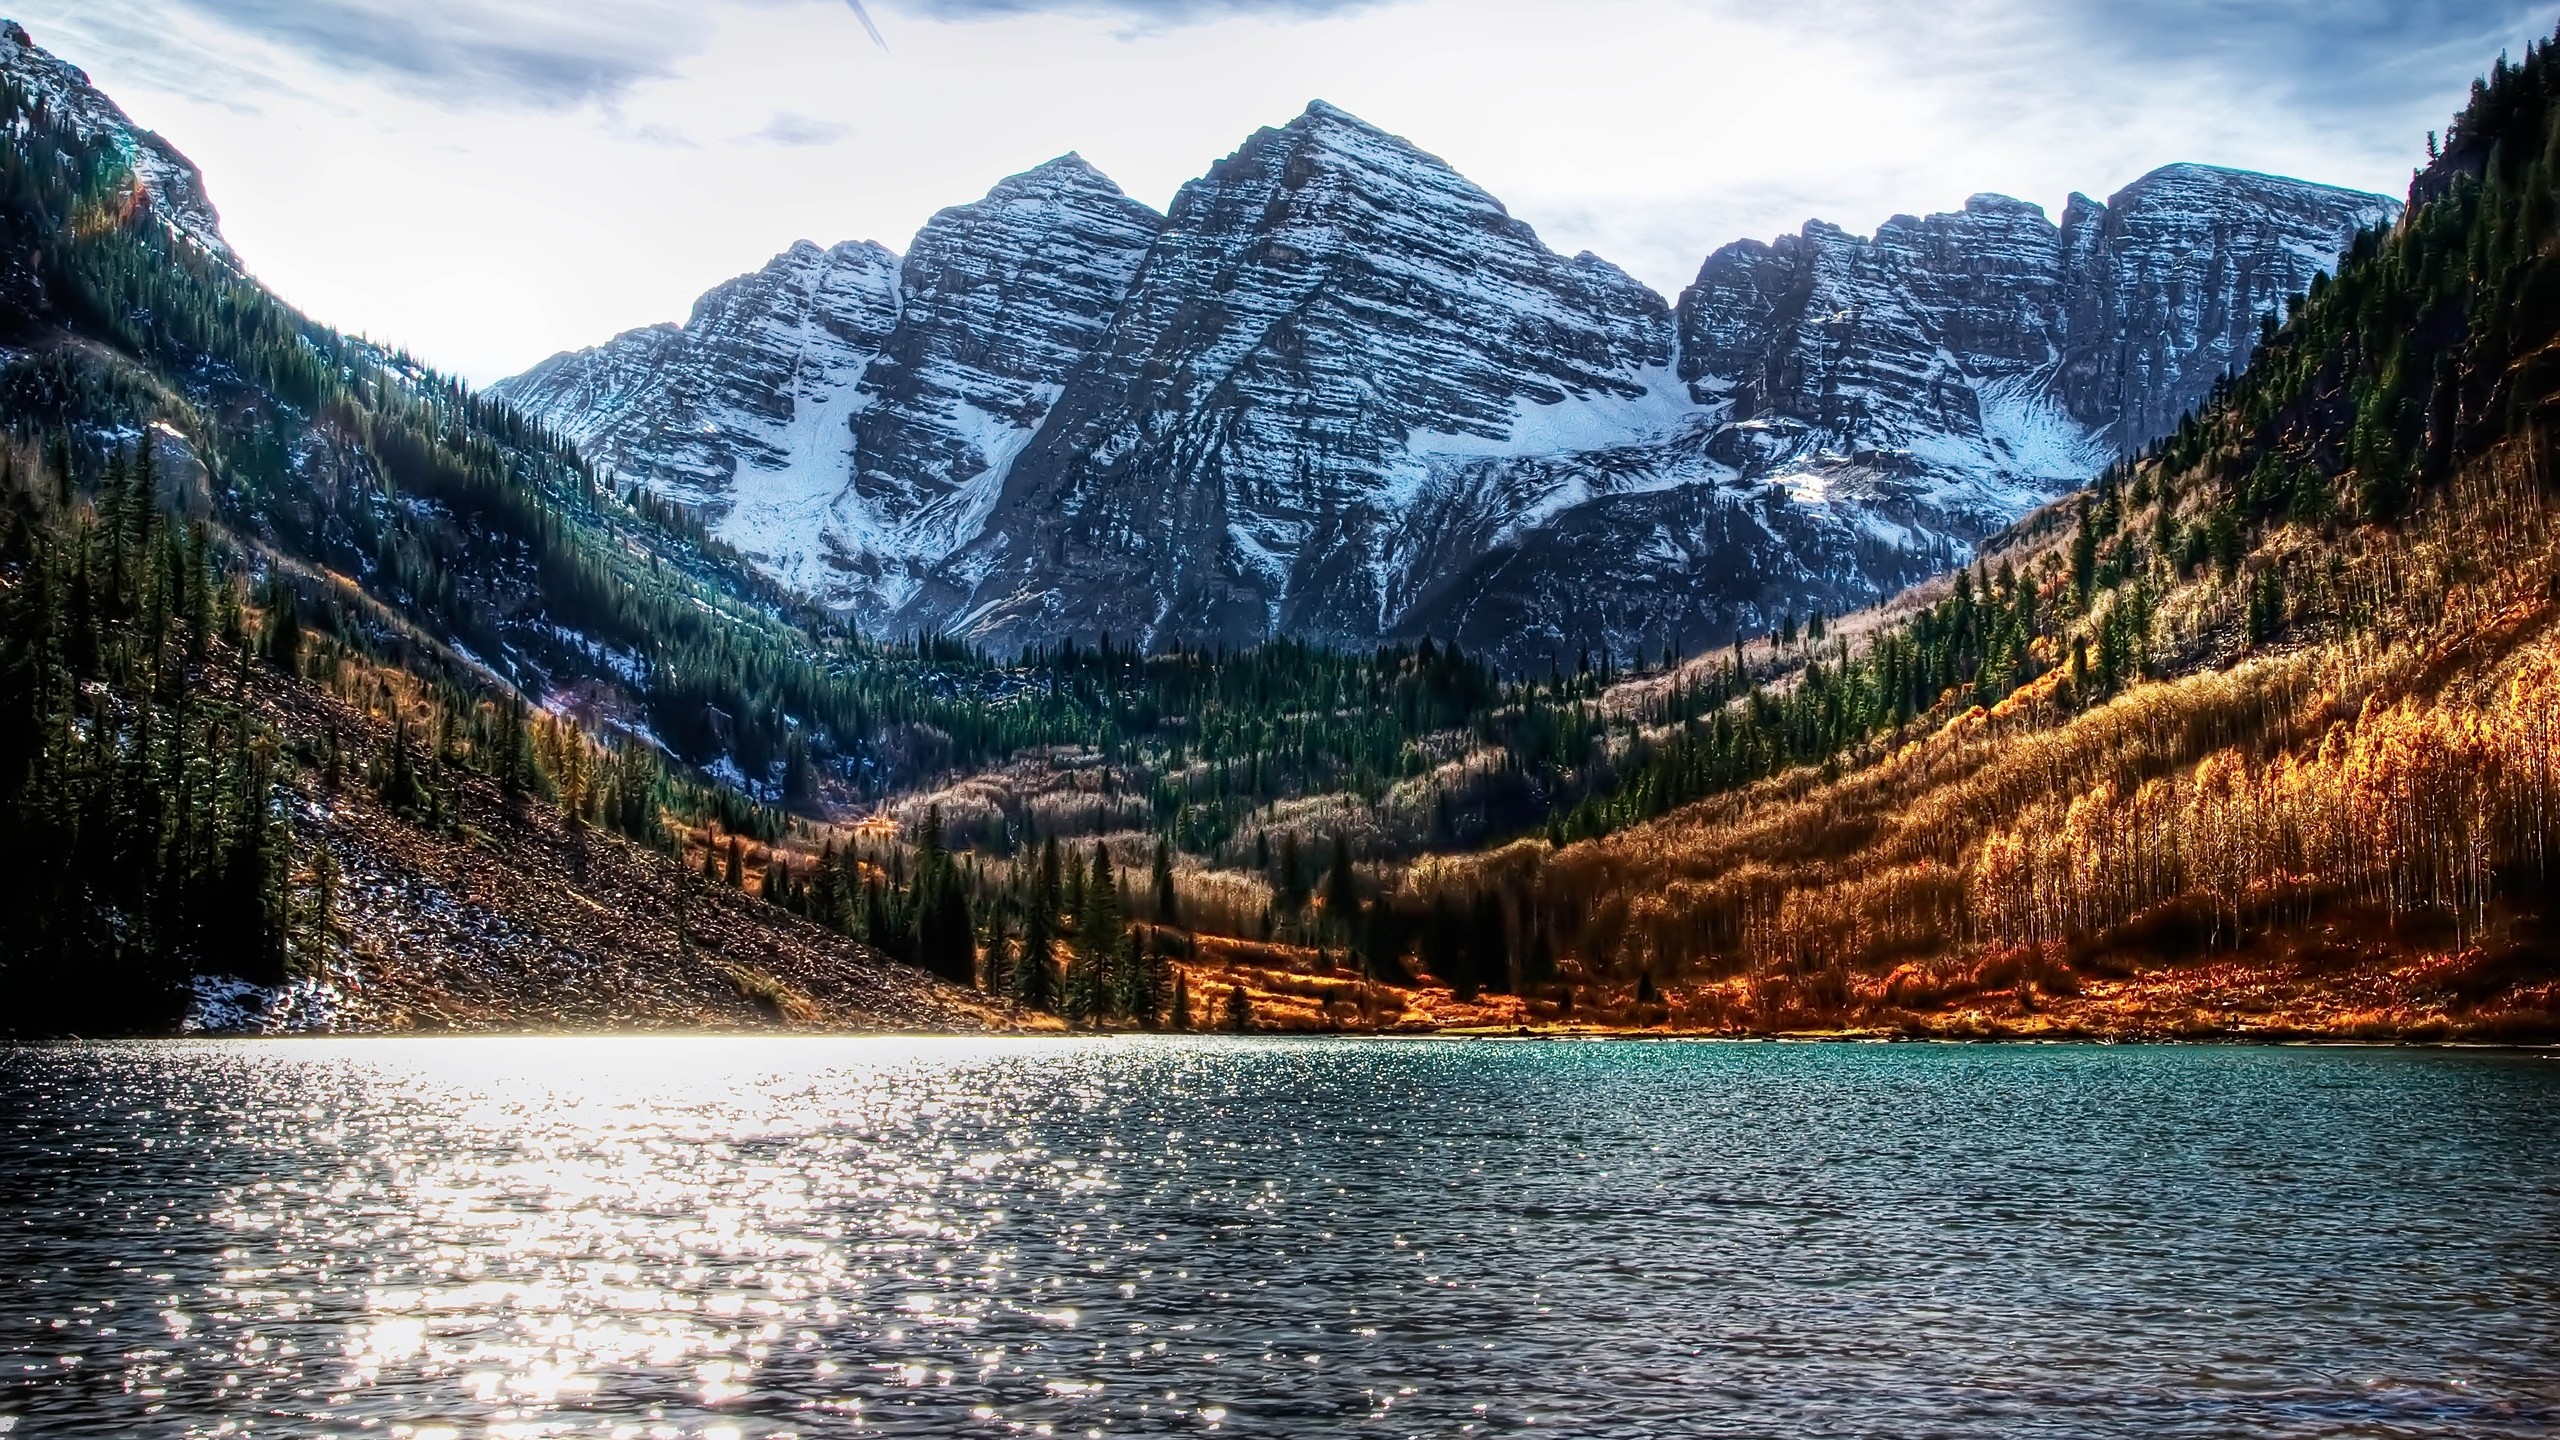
x=717, y=1238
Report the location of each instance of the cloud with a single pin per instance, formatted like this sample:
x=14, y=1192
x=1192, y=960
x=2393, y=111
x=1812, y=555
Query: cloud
x=2346, y=58
x=1168, y=12
x=547, y=55
x=798, y=131
x=867, y=27
x=2356, y=62
x=664, y=137
x=560, y=54
x=2341, y=58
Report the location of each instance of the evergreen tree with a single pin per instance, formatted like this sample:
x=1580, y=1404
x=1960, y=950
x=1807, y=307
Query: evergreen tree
x=1166, y=901
x=1086, y=992
x=1035, y=976
x=1341, y=889
x=280, y=638
x=1292, y=887
x=1102, y=935
x=1138, y=983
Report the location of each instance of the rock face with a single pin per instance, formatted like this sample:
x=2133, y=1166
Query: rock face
x=746, y=411
x=165, y=179
x=1978, y=363
x=1004, y=299
x=1330, y=322
x=1339, y=393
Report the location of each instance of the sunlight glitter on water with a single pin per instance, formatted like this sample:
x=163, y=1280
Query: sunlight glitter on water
x=664, y=1207
x=695, y=1239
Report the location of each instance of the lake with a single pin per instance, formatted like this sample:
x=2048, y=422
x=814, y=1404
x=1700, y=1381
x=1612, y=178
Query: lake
x=783, y=1237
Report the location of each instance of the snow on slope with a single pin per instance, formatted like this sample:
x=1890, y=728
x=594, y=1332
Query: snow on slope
x=847, y=418
x=1324, y=310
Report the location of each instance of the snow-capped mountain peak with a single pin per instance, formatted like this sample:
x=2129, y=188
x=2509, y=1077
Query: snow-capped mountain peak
x=843, y=416
x=1339, y=391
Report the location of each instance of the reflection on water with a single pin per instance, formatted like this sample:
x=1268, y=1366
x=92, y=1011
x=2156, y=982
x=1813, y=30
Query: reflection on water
x=700, y=1238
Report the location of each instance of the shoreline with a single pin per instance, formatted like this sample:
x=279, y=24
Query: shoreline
x=2549, y=1045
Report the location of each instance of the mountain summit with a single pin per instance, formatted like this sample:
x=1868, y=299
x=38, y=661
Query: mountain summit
x=1340, y=393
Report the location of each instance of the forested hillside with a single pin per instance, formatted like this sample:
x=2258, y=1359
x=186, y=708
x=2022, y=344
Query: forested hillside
x=2255, y=736
x=192, y=464
x=210, y=505
x=2258, y=734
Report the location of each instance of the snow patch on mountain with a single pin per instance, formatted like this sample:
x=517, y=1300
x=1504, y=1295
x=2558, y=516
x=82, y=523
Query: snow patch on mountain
x=848, y=418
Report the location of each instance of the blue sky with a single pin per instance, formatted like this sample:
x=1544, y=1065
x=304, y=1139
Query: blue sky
x=487, y=181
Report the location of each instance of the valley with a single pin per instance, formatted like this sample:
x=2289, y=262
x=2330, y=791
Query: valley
x=1317, y=608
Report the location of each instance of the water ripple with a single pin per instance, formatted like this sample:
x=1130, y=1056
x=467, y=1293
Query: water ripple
x=718, y=1240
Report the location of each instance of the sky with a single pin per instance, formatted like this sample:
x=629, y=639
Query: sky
x=486, y=182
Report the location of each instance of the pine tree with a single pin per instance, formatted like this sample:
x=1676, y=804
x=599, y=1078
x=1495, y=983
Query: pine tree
x=1341, y=889
x=1140, y=994
x=1086, y=993
x=398, y=786
x=1102, y=935
x=1035, y=976
x=280, y=638
x=1166, y=901
x=1293, y=877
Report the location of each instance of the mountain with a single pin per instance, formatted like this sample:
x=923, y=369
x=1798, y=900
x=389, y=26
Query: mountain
x=843, y=418
x=1339, y=393
x=760, y=381
x=1973, y=365
x=59, y=96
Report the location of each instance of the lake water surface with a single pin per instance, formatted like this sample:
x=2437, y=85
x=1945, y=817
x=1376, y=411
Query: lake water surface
x=743, y=1238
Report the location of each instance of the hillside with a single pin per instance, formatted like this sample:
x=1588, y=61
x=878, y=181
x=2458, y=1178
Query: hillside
x=334, y=686
x=2256, y=737
x=282, y=616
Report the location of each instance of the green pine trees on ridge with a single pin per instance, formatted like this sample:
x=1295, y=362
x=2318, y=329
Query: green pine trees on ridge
x=143, y=839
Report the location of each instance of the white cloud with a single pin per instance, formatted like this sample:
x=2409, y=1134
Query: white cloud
x=487, y=181
x=800, y=131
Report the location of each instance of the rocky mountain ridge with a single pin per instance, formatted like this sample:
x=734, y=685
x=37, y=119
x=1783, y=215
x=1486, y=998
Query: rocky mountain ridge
x=1338, y=392
x=163, y=180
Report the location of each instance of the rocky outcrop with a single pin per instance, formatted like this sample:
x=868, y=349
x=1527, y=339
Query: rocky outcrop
x=2179, y=268
x=745, y=412
x=1340, y=393
x=1003, y=300
x=163, y=179
x=1979, y=363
